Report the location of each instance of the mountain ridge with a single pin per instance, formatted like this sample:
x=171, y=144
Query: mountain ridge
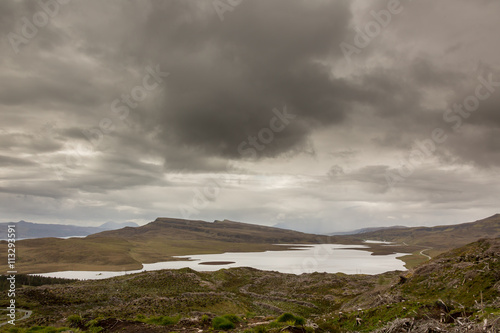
x=461, y=232
x=366, y=230
x=30, y=230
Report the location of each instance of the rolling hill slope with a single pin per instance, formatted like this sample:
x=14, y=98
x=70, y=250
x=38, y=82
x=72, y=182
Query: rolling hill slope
x=435, y=240
x=446, y=236
x=227, y=231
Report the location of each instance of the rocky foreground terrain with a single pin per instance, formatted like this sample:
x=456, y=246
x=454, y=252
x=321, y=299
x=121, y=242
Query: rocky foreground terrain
x=458, y=291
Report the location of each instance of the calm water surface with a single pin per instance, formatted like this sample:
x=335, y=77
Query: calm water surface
x=329, y=258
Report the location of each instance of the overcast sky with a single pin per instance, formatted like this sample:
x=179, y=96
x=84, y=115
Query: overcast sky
x=317, y=115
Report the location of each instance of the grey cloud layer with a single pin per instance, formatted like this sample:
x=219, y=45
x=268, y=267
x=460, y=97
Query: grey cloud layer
x=225, y=79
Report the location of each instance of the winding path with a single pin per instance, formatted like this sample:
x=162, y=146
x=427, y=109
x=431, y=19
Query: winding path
x=425, y=255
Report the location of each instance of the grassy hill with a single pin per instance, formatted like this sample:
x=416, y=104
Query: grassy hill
x=456, y=292
x=227, y=231
x=445, y=236
x=435, y=240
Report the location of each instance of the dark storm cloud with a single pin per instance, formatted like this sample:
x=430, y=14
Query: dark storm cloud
x=426, y=73
x=473, y=137
x=225, y=79
x=13, y=161
x=398, y=96
x=264, y=56
x=397, y=93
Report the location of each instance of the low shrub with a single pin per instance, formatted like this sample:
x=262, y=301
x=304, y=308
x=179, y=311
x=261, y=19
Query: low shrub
x=232, y=318
x=221, y=323
x=225, y=322
x=205, y=320
x=291, y=318
x=75, y=321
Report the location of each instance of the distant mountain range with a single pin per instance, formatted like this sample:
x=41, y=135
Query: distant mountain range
x=303, y=228
x=39, y=230
x=365, y=230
